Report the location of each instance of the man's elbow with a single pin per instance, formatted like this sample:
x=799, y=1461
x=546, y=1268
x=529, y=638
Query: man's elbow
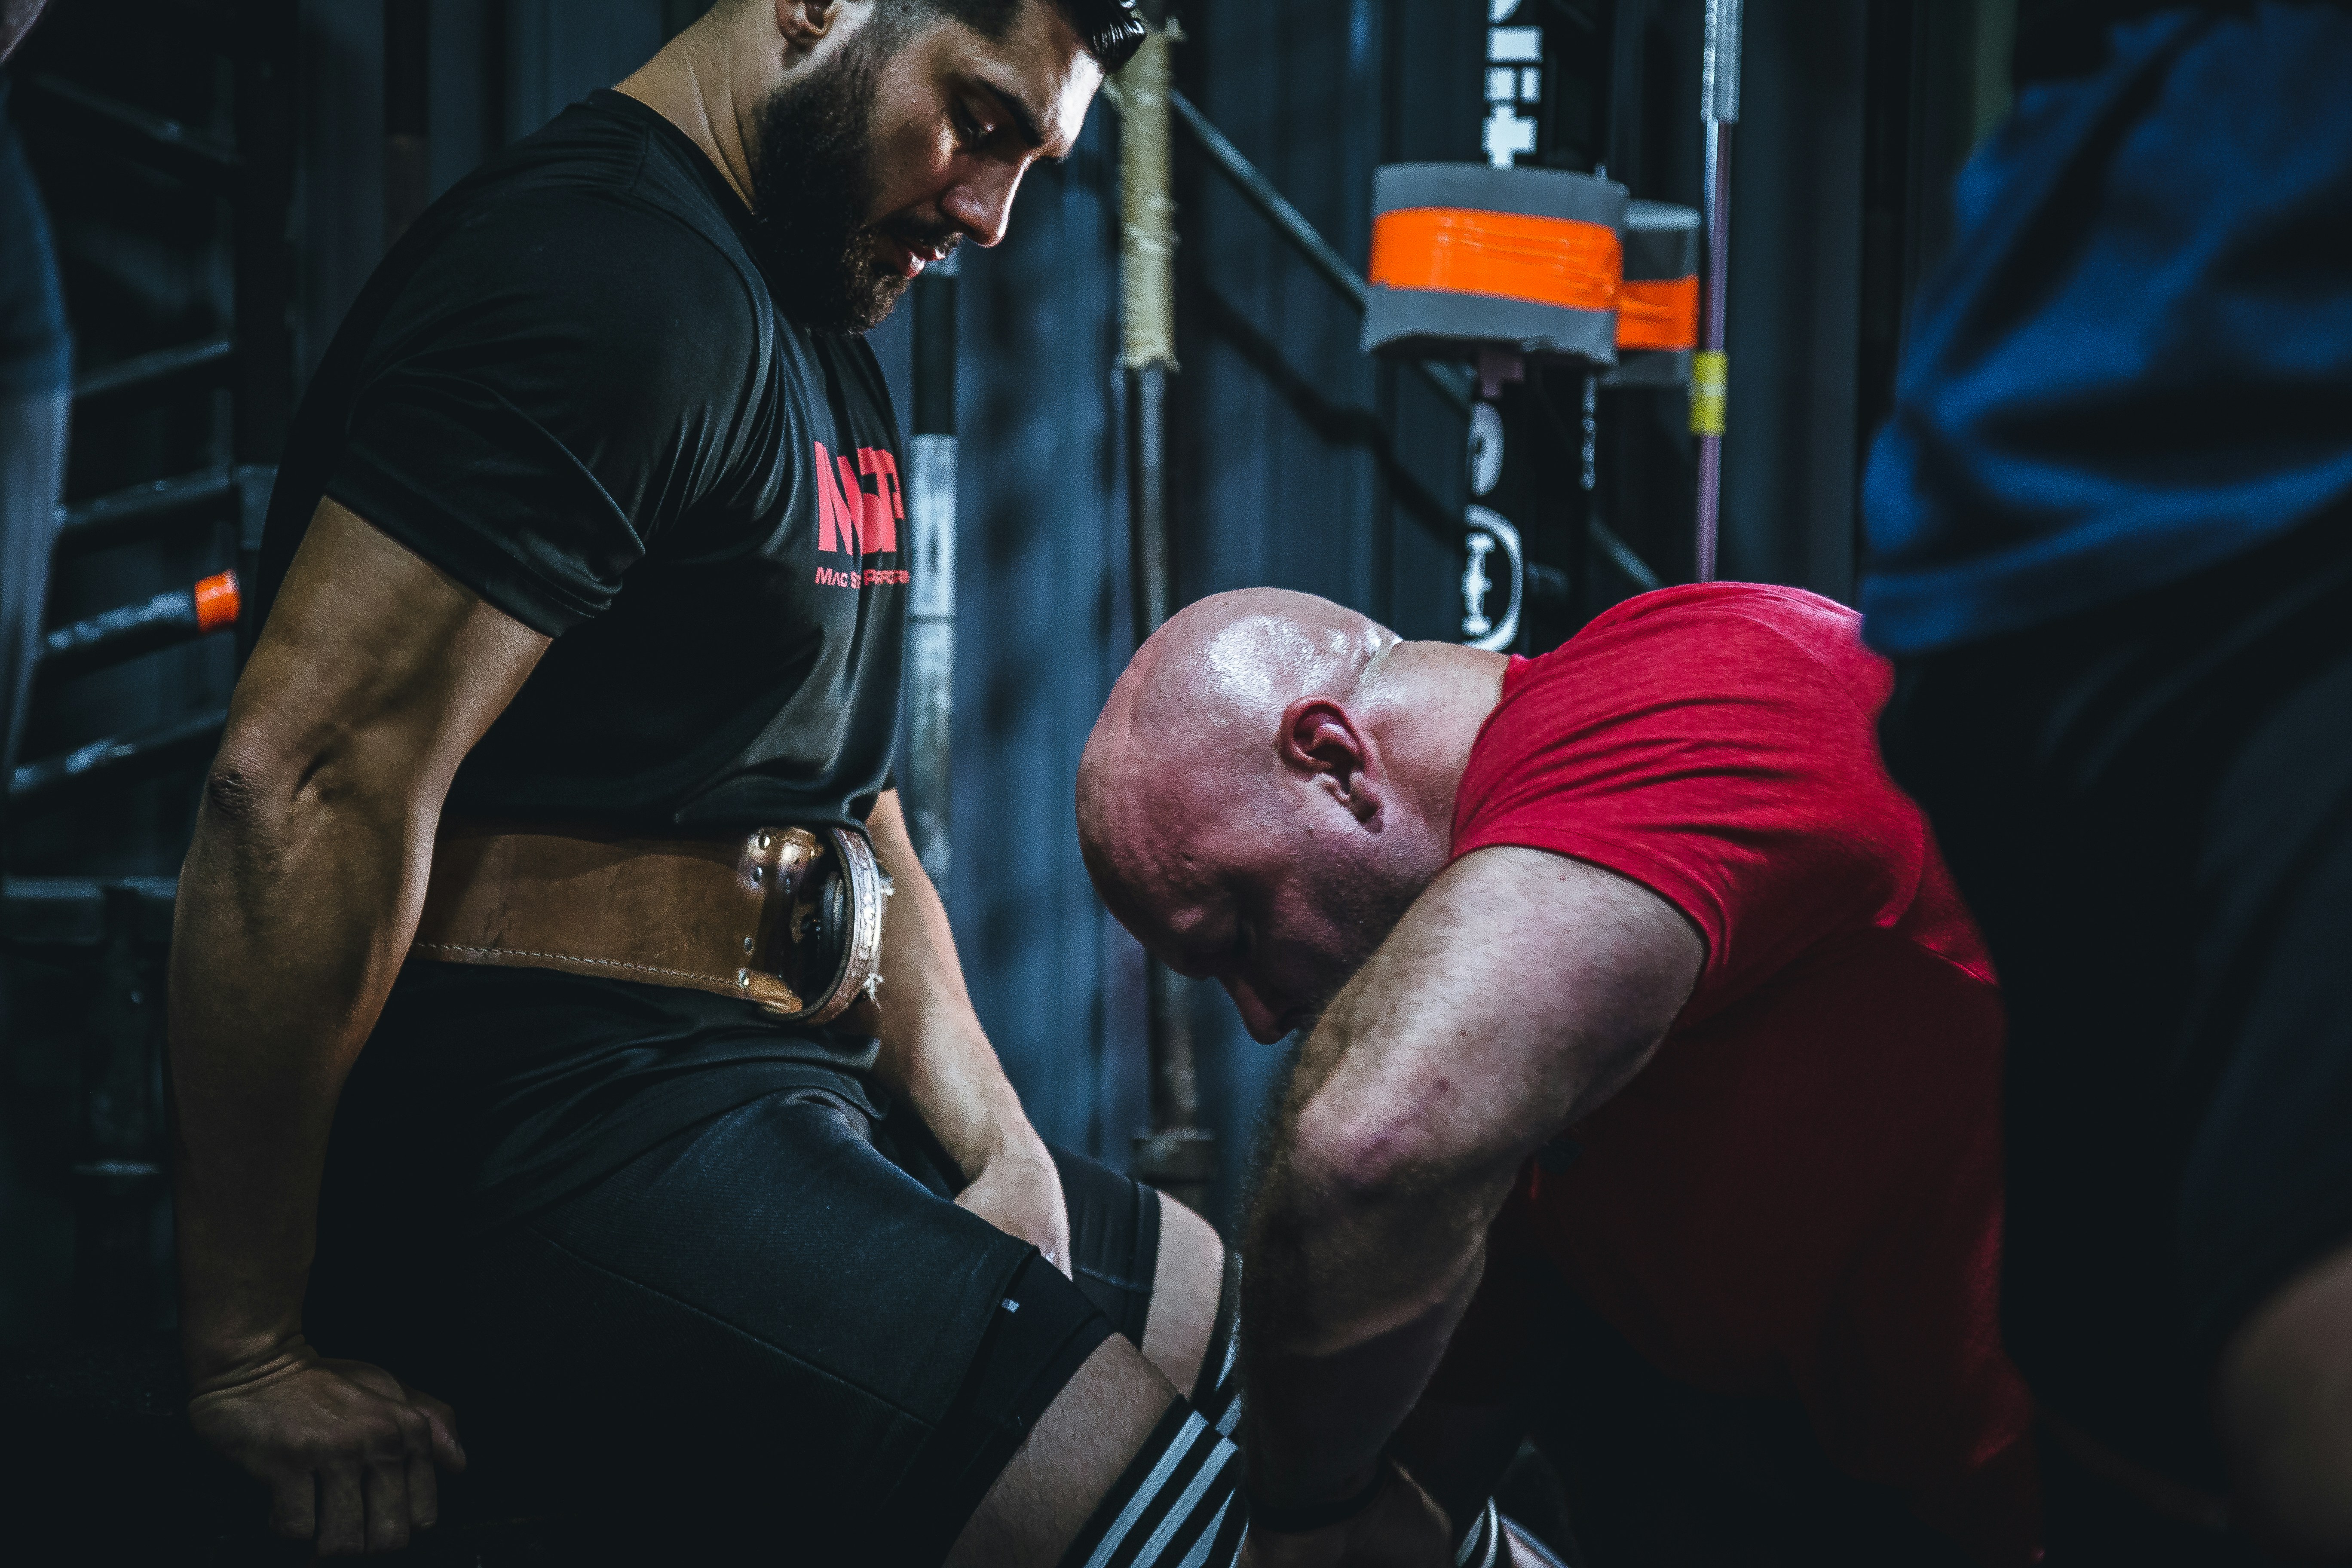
x=256, y=778
x=1351, y=1161
x=261, y=781
x=241, y=793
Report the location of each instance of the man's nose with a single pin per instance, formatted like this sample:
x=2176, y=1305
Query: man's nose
x=1258, y=1016
x=981, y=204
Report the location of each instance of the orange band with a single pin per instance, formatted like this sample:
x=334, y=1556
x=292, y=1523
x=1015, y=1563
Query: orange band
x=1461, y=250
x=216, y=602
x=1658, y=313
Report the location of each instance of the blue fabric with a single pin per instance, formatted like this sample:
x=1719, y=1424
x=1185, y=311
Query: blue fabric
x=2137, y=361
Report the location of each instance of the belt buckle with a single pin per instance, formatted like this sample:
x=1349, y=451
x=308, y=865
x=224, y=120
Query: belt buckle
x=824, y=931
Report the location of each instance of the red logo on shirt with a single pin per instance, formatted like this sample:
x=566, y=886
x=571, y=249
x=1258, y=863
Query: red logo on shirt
x=850, y=518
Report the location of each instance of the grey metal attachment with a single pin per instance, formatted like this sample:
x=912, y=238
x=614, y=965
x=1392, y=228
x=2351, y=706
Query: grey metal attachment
x=1719, y=111
x=1662, y=241
x=865, y=889
x=1430, y=323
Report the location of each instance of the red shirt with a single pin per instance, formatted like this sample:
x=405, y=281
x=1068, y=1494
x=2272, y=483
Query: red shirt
x=1800, y=1194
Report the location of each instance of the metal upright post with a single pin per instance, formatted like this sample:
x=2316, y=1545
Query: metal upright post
x=1710, y=370
x=927, y=779
x=265, y=46
x=267, y=38
x=1177, y=1155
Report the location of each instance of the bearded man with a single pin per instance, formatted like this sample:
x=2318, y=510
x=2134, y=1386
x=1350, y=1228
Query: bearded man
x=1631, y=987
x=582, y=661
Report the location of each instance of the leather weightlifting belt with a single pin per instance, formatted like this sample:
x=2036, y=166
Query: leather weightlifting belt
x=788, y=917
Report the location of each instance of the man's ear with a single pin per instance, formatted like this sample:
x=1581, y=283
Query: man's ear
x=804, y=23
x=1320, y=738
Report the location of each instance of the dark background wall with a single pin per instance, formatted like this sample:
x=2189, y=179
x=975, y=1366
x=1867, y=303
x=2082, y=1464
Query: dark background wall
x=1292, y=449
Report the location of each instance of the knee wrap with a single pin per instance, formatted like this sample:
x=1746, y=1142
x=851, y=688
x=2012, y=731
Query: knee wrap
x=1482, y=1546
x=1179, y=1504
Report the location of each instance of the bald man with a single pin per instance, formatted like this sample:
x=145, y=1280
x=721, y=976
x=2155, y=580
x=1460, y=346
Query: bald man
x=1631, y=987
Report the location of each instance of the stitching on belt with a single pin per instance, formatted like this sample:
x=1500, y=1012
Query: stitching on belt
x=726, y=981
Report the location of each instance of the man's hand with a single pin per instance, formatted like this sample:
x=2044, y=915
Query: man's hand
x=1403, y=1529
x=1020, y=1192
x=347, y=1453
x=936, y=1055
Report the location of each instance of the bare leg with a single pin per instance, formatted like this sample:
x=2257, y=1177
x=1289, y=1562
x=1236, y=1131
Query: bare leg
x=1077, y=1453
x=1184, y=1286
x=2283, y=1403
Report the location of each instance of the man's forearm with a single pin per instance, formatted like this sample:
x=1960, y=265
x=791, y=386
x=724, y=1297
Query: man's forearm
x=934, y=1052
x=1431, y=1079
x=291, y=922
x=1349, y=1301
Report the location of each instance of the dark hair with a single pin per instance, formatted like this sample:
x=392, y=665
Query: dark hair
x=1112, y=30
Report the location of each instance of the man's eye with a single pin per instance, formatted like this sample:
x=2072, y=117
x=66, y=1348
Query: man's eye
x=969, y=129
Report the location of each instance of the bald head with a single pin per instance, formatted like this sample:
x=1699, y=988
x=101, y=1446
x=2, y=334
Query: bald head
x=1204, y=696
x=1254, y=804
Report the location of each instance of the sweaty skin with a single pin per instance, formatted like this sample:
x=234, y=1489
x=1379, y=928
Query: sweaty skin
x=373, y=677
x=1267, y=801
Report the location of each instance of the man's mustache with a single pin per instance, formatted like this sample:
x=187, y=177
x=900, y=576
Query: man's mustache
x=917, y=235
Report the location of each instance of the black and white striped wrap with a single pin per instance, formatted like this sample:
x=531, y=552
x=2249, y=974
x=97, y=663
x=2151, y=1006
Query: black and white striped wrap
x=1178, y=1506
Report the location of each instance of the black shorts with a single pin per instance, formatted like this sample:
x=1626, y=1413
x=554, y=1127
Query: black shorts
x=771, y=1338
x=2149, y=810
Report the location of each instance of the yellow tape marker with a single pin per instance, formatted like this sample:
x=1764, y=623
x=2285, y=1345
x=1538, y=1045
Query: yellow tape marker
x=1710, y=380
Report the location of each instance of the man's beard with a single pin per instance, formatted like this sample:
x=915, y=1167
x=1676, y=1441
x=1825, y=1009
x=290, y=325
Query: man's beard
x=812, y=182
x=1368, y=909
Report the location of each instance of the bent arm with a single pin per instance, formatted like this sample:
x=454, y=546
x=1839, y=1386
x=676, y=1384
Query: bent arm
x=1520, y=992
x=936, y=1055
x=373, y=677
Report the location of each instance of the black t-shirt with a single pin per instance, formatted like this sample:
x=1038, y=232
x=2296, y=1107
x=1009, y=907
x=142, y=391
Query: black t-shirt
x=36, y=349
x=571, y=387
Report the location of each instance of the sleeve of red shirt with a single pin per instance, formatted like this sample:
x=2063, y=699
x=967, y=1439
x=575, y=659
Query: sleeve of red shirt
x=1716, y=745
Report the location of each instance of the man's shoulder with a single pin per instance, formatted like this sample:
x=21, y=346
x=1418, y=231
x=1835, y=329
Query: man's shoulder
x=595, y=211
x=1702, y=641
x=581, y=282
x=1709, y=693
x=1700, y=609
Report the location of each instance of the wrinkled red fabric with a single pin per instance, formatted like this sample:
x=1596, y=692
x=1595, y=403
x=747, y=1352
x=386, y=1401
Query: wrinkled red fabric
x=1800, y=1194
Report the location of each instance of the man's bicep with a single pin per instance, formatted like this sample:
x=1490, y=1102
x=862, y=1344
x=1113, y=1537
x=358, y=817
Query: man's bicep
x=369, y=649
x=1520, y=991
x=1593, y=970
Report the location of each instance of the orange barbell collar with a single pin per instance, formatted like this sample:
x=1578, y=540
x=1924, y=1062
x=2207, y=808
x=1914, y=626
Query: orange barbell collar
x=1574, y=264
x=1658, y=313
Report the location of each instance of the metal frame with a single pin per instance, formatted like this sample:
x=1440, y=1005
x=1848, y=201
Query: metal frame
x=1450, y=383
x=120, y=928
